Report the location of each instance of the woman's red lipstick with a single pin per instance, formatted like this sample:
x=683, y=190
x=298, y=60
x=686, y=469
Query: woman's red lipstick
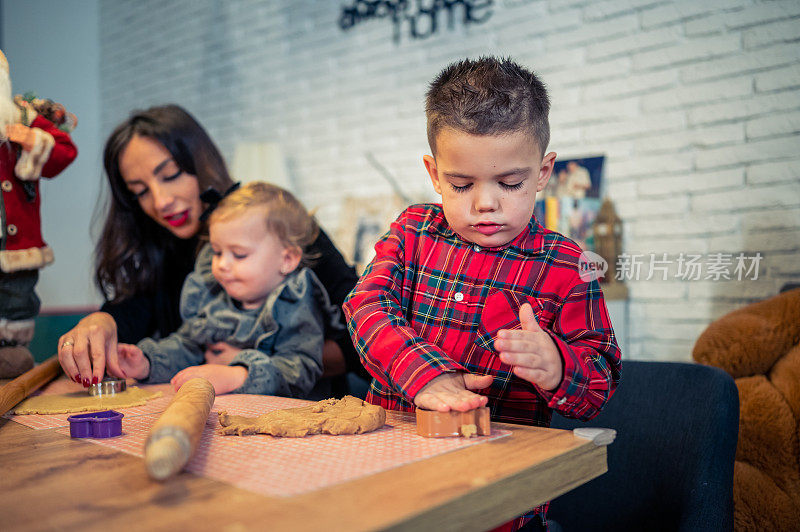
x=178, y=220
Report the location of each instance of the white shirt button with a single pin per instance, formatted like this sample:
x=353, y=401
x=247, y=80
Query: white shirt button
x=561, y=401
x=6, y=186
x=459, y=296
x=476, y=247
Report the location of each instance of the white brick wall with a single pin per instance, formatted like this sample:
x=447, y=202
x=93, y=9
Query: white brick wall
x=696, y=106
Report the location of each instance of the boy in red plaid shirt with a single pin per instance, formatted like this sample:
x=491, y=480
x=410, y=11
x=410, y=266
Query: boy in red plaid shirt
x=473, y=302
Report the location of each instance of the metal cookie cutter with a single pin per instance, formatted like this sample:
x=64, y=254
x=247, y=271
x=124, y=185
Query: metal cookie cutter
x=108, y=386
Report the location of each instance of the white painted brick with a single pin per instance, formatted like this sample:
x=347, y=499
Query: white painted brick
x=672, y=246
x=773, y=172
x=661, y=350
x=785, y=265
x=761, y=13
x=667, y=330
x=685, y=225
x=783, y=31
x=764, y=242
x=704, y=26
x=745, y=62
x=621, y=191
x=593, y=32
x=591, y=72
x=519, y=20
x=692, y=138
x=759, y=105
x=635, y=84
x=768, y=126
x=637, y=127
x=650, y=165
x=634, y=43
x=610, y=8
x=756, y=151
x=564, y=136
x=787, y=218
x=747, y=197
x=560, y=5
x=703, y=311
x=736, y=290
x=692, y=94
x=781, y=78
x=557, y=60
x=559, y=20
x=600, y=112
x=613, y=150
x=680, y=10
x=649, y=207
x=697, y=49
x=657, y=290
x=692, y=182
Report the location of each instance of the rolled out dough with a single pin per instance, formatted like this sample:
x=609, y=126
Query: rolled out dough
x=83, y=402
x=348, y=415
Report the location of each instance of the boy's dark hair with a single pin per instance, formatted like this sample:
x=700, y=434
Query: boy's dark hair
x=487, y=96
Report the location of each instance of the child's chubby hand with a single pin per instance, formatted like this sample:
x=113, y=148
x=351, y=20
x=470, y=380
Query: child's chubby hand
x=451, y=391
x=221, y=353
x=132, y=362
x=225, y=379
x=530, y=350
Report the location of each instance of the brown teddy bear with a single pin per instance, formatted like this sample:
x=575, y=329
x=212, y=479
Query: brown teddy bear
x=759, y=346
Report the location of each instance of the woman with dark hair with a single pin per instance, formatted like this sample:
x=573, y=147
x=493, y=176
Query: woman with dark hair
x=158, y=162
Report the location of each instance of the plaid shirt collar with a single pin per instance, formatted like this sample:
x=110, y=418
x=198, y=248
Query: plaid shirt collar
x=529, y=241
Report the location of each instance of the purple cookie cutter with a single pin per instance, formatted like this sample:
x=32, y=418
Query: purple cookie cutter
x=105, y=424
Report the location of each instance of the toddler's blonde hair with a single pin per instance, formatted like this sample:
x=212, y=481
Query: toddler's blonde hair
x=284, y=215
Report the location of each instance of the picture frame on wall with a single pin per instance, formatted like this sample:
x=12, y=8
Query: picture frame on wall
x=570, y=202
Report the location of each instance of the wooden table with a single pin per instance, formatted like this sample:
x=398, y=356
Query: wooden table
x=49, y=481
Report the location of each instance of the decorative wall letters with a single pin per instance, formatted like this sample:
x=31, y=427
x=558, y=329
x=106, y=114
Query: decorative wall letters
x=420, y=18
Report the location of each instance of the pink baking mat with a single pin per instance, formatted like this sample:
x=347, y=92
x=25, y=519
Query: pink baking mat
x=51, y=421
x=290, y=466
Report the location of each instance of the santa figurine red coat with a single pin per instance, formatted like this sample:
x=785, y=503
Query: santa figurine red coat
x=32, y=147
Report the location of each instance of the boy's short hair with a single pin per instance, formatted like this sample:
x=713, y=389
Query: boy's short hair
x=284, y=215
x=488, y=96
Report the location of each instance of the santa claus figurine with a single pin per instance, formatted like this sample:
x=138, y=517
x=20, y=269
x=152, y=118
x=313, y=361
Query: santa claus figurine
x=31, y=146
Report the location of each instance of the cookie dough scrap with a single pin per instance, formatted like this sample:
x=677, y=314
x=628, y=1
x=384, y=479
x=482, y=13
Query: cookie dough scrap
x=83, y=402
x=348, y=415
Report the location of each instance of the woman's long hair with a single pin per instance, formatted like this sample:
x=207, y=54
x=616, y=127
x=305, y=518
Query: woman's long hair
x=130, y=252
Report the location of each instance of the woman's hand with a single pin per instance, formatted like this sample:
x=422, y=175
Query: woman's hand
x=224, y=378
x=89, y=348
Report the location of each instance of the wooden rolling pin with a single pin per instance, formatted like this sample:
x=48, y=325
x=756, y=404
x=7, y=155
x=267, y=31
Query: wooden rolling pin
x=174, y=436
x=27, y=383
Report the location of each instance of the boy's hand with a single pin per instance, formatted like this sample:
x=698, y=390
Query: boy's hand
x=132, y=362
x=224, y=378
x=532, y=353
x=451, y=391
